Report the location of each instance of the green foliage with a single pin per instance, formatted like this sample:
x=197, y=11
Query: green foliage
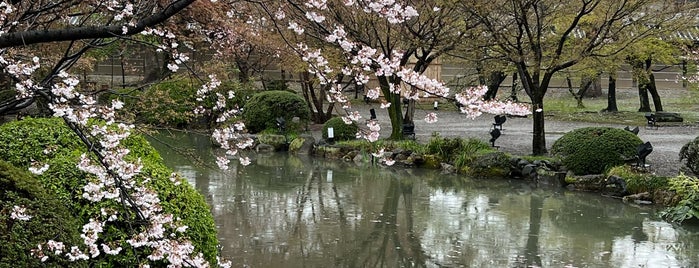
x=689, y=154
x=687, y=189
x=172, y=102
x=262, y=110
x=456, y=150
x=277, y=85
x=388, y=145
x=22, y=142
x=341, y=130
x=638, y=182
x=50, y=220
x=592, y=150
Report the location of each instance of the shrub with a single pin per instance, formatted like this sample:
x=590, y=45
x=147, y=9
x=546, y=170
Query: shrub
x=170, y=103
x=263, y=108
x=457, y=151
x=341, y=131
x=50, y=220
x=687, y=189
x=689, y=154
x=49, y=141
x=592, y=150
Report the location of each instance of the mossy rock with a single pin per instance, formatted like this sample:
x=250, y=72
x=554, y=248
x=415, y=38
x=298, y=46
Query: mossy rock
x=432, y=161
x=490, y=165
x=636, y=181
x=341, y=130
x=50, y=220
x=276, y=141
x=22, y=142
x=593, y=150
x=263, y=109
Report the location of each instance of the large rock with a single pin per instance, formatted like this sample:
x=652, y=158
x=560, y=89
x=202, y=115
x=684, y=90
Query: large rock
x=302, y=145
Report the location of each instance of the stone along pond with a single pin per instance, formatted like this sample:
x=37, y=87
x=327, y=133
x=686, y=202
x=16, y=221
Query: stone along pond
x=288, y=211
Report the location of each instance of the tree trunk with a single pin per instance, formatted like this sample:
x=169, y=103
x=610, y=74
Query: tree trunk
x=243, y=70
x=494, y=80
x=594, y=89
x=395, y=112
x=654, y=94
x=513, y=92
x=538, y=129
x=611, y=94
x=643, y=97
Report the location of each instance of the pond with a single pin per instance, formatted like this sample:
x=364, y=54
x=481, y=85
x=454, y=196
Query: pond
x=288, y=211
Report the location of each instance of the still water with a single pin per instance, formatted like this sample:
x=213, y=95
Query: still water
x=287, y=211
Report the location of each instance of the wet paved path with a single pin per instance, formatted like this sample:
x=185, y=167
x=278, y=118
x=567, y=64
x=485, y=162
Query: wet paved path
x=516, y=136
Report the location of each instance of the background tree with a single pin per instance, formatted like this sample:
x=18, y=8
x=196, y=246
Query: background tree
x=420, y=39
x=542, y=37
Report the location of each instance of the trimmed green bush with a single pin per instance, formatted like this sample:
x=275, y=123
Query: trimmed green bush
x=262, y=110
x=689, y=154
x=341, y=131
x=593, y=150
x=49, y=141
x=50, y=220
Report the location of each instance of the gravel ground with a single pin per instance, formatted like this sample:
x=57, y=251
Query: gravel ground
x=516, y=135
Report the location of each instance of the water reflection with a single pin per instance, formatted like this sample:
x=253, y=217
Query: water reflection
x=299, y=212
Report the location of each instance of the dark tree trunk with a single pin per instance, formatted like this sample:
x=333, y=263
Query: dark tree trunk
x=594, y=89
x=514, y=89
x=654, y=94
x=643, y=97
x=315, y=101
x=493, y=82
x=395, y=112
x=538, y=127
x=611, y=94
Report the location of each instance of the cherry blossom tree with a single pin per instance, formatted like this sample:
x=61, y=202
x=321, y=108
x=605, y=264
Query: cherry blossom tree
x=377, y=39
x=83, y=26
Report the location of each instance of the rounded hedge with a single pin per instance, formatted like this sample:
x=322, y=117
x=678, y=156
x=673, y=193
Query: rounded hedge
x=49, y=141
x=50, y=220
x=689, y=154
x=341, y=131
x=262, y=110
x=592, y=150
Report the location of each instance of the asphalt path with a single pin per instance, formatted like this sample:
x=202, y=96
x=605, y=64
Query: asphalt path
x=516, y=135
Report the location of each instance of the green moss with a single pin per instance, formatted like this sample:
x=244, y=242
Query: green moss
x=24, y=141
x=638, y=182
x=51, y=220
x=277, y=141
x=489, y=165
x=296, y=144
x=592, y=150
x=341, y=131
x=262, y=110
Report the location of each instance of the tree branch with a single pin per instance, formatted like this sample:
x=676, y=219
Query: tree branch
x=15, y=39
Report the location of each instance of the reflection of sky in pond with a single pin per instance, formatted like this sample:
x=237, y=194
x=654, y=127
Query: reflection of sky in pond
x=283, y=212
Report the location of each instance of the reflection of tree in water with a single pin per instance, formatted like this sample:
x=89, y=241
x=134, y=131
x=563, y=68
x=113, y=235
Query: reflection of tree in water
x=390, y=243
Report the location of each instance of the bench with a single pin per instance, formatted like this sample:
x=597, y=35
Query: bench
x=662, y=117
